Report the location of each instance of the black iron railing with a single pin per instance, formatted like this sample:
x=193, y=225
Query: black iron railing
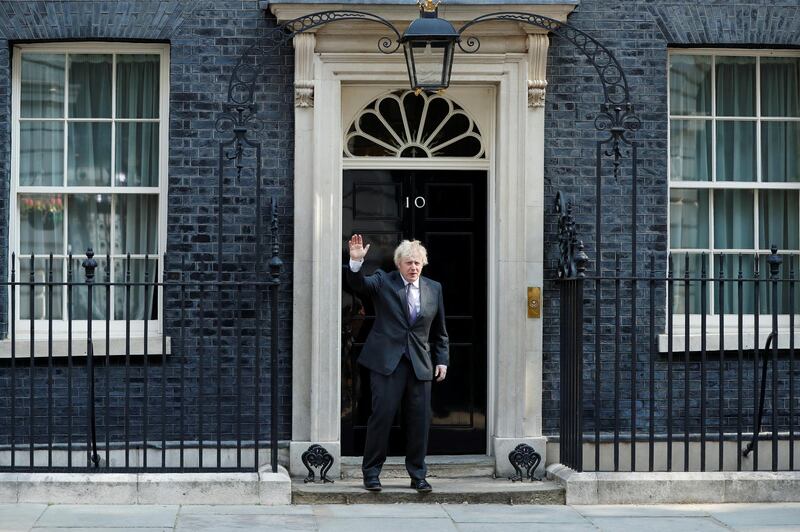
x=692, y=369
x=136, y=370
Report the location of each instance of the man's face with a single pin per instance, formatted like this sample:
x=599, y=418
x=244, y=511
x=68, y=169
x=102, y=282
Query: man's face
x=410, y=268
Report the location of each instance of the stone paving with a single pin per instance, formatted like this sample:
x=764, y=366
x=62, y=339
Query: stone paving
x=401, y=517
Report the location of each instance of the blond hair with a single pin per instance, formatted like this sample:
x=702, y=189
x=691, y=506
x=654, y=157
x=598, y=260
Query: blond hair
x=410, y=249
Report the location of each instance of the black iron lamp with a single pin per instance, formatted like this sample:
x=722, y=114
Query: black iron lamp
x=429, y=43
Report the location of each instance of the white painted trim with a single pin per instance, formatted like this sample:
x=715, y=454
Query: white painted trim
x=401, y=15
x=731, y=336
x=58, y=347
x=734, y=52
x=373, y=108
x=162, y=50
x=486, y=119
x=442, y=163
x=346, y=54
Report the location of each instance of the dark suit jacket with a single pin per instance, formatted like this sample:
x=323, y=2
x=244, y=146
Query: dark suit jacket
x=392, y=334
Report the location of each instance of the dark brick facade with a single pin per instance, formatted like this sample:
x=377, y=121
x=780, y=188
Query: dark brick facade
x=639, y=33
x=205, y=40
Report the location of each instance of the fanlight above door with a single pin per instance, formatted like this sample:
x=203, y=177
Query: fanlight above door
x=409, y=125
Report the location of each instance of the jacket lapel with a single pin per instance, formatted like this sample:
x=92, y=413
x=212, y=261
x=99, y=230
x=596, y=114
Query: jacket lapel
x=425, y=296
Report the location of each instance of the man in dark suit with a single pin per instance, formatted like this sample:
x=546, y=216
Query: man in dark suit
x=409, y=312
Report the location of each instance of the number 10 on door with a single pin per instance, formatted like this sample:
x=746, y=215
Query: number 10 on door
x=419, y=202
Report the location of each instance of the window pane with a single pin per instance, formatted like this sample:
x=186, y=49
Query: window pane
x=779, y=221
x=89, y=156
x=42, y=94
x=137, y=86
x=136, y=301
x=688, y=222
x=736, y=86
x=41, y=153
x=736, y=151
x=733, y=219
x=89, y=223
x=780, y=151
x=688, y=291
x=690, y=85
x=730, y=289
x=41, y=223
x=79, y=299
x=780, y=86
x=136, y=224
x=690, y=150
x=45, y=300
x=89, y=86
x=137, y=155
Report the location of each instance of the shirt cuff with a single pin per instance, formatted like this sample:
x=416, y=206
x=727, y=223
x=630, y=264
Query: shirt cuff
x=355, y=265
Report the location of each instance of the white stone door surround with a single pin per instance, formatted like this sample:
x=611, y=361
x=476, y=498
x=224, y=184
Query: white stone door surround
x=343, y=59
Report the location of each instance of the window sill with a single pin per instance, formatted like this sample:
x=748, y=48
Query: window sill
x=60, y=346
x=731, y=340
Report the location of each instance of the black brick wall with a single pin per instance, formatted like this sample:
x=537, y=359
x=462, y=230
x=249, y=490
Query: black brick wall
x=639, y=34
x=206, y=39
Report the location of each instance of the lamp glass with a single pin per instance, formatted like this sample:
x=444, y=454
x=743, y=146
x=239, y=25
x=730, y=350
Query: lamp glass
x=429, y=61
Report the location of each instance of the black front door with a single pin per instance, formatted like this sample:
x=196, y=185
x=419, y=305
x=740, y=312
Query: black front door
x=446, y=210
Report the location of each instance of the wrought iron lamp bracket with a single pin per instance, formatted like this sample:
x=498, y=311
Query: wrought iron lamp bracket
x=239, y=116
x=617, y=115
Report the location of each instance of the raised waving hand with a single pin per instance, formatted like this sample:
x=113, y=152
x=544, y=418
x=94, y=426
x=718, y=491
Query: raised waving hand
x=357, y=248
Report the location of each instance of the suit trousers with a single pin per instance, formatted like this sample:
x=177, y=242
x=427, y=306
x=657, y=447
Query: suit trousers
x=388, y=392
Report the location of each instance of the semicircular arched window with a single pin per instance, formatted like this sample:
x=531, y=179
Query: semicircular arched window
x=409, y=125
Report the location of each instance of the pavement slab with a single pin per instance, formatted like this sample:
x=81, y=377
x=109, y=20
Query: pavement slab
x=261, y=522
x=526, y=527
x=19, y=516
x=500, y=513
x=779, y=528
x=101, y=529
x=109, y=516
x=642, y=510
x=372, y=524
x=245, y=509
x=387, y=511
x=657, y=524
x=774, y=517
x=755, y=515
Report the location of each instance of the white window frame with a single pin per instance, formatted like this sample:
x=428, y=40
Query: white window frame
x=730, y=320
x=79, y=327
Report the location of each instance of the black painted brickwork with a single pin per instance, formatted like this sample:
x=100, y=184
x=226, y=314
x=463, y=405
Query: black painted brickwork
x=206, y=38
x=639, y=34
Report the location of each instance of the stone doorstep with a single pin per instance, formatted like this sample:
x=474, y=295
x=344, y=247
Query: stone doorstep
x=439, y=466
x=676, y=487
x=264, y=488
x=452, y=491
